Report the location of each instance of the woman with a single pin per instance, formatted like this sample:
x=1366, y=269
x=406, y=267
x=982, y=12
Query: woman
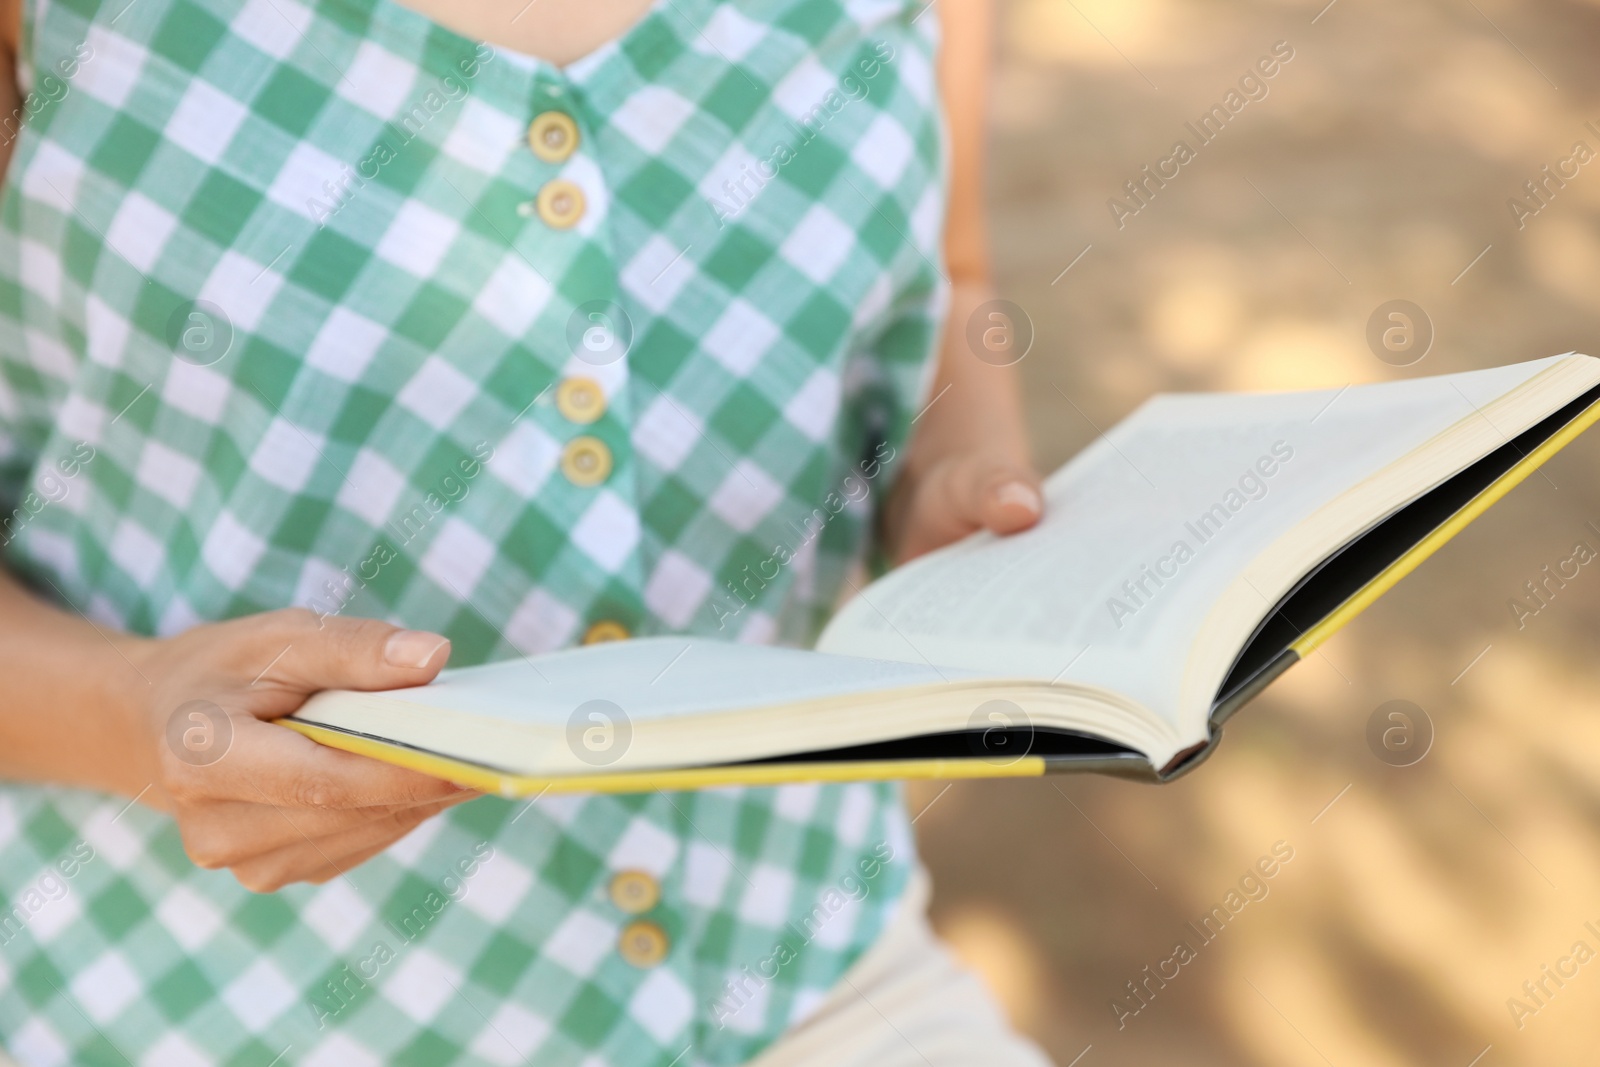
x=342, y=338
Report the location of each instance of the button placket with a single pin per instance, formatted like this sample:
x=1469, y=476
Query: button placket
x=642, y=943
x=553, y=138
x=587, y=411
x=560, y=203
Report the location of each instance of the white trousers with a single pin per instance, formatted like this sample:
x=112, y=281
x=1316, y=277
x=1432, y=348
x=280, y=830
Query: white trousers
x=906, y=1003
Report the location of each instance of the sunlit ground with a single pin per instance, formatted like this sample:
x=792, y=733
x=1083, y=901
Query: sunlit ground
x=1378, y=166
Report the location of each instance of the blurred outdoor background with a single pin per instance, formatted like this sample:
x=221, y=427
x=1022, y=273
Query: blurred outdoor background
x=1378, y=167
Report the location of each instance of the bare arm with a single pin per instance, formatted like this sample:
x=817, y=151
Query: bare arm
x=968, y=465
x=67, y=714
x=10, y=97
x=55, y=666
x=183, y=724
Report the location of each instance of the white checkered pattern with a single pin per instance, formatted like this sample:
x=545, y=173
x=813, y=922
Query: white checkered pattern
x=398, y=318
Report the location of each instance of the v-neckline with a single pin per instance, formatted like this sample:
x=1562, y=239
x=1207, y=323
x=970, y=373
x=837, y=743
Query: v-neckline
x=577, y=71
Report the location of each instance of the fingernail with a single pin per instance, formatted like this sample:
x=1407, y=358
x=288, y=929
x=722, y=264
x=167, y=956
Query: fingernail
x=412, y=648
x=1021, y=494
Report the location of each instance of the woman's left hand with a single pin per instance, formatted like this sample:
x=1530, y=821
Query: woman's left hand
x=961, y=494
x=967, y=466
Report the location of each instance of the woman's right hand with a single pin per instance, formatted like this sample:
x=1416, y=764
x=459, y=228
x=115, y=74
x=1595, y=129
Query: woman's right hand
x=269, y=804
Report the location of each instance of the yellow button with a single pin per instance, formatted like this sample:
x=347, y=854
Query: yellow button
x=560, y=203
x=634, y=891
x=581, y=399
x=605, y=630
x=643, y=943
x=553, y=136
x=586, y=461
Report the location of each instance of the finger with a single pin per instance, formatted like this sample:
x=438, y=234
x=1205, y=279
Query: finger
x=993, y=494
x=308, y=652
x=345, y=864
x=326, y=858
x=222, y=833
x=320, y=860
x=1010, y=500
x=967, y=494
x=358, y=834
x=270, y=764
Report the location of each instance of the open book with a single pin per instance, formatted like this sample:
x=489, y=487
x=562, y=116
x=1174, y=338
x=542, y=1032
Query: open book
x=1185, y=560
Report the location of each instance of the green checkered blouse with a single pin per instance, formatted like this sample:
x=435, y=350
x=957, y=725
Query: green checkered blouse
x=293, y=310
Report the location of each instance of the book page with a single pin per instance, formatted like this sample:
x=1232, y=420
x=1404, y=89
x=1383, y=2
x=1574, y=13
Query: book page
x=1145, y=529
x=649, y=678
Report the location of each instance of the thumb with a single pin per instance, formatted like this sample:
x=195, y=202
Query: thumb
x=1002, y=497
x=335, y=652
x=961, y=495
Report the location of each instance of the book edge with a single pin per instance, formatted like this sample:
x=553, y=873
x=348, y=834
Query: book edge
x=1368, y=594
x=510, y=784
x=1442, y=534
